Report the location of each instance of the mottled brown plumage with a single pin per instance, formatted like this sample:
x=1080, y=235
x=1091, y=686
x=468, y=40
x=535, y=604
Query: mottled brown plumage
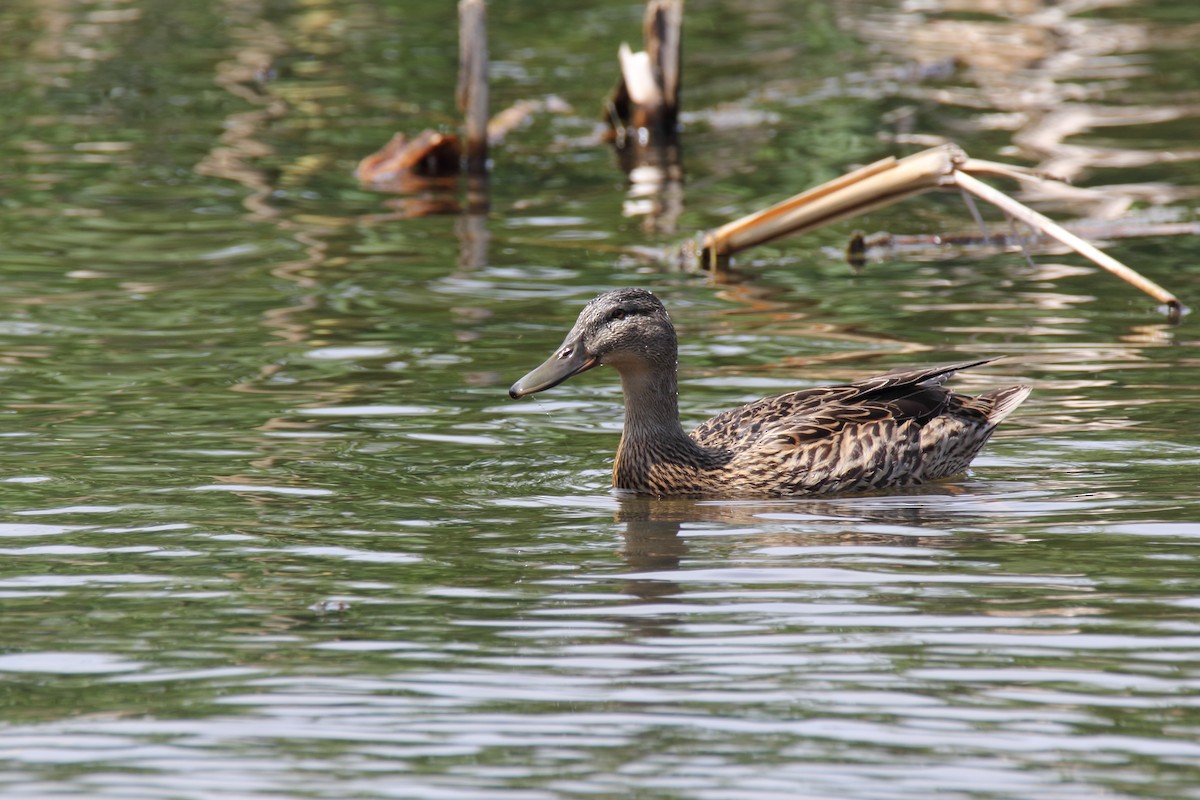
x=899, y=429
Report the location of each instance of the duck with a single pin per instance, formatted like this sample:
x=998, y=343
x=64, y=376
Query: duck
x=899, y=429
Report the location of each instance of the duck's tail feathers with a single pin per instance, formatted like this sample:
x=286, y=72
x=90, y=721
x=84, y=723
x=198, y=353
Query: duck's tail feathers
x=1005, y=401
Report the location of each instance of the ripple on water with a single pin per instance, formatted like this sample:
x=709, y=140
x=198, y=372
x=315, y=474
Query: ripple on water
x=66, y=663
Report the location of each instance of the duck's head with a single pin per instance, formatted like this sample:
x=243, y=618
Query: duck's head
x=626, y=328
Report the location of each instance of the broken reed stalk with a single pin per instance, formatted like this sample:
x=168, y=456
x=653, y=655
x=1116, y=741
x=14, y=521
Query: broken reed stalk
x=472, y=93
x=663, y=34
x=890, y=180
x=644, y=108
x=644, y=93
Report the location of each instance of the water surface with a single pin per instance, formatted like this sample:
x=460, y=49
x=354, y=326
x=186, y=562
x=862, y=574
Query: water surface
x=272, y=528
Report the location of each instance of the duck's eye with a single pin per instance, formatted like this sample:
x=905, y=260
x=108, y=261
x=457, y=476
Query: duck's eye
x=617, y=313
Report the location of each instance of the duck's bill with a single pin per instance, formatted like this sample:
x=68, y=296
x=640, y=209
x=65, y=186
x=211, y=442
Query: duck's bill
x=567, y=361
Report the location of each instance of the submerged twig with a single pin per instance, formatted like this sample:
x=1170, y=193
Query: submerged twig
x=430, y=154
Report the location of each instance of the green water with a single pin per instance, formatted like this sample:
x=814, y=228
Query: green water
x=271, y=527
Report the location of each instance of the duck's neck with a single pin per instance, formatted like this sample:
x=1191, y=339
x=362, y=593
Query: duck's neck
x=652, y=440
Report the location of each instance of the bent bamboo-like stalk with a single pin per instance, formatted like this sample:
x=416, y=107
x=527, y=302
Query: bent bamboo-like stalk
x=890, y=180
x=879, y=184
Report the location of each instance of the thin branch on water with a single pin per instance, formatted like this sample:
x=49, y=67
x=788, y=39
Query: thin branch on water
x=1052, y=229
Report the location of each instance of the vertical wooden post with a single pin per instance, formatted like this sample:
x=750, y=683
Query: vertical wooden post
x=663, y=31
x=472, y=91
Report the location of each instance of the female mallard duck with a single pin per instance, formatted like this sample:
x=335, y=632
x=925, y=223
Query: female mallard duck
x=898, y=429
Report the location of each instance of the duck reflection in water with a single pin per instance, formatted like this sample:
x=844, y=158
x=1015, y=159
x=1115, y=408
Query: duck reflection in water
x=918, y=517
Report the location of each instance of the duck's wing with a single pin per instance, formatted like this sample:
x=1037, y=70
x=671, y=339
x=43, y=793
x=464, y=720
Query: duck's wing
x=894, y=429
x=909, y=394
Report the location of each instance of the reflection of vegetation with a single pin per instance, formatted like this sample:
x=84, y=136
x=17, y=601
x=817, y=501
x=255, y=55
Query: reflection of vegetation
x=1046, y=75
